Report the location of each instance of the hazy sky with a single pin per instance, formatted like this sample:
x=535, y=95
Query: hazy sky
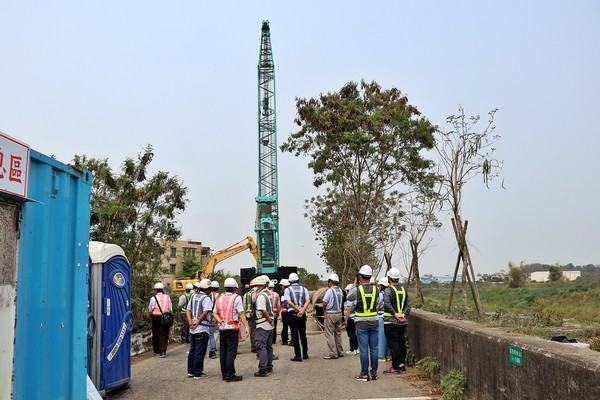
x=106, y=78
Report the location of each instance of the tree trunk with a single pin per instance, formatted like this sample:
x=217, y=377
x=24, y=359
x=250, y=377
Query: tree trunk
x=468, y=271
x=414, y=267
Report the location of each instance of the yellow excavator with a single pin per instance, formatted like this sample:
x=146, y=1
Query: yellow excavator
x=244, y=244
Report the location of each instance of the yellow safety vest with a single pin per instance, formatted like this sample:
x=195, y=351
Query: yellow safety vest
x=188, y=295
x=387, y=313
x=369, y=311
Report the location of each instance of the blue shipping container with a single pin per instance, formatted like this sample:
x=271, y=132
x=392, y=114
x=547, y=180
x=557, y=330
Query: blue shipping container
x=51, y=311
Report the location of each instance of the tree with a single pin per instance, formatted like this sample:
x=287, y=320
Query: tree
x=137, y=213
x=516, y=276
x=190, y=265
x=464, y=153
x=362, y=142
x=555, y=273
x=309, y=280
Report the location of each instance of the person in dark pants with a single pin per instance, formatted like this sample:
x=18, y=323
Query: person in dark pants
x=397, y=307
x=199, y=315
x=160, y=333
x=184, y=299
x=285, y=316
x=229, y=313
x=298, y=300
x=264, y=327
x=350, y=306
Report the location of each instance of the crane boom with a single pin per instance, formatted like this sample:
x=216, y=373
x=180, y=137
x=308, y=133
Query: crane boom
x=267, y=202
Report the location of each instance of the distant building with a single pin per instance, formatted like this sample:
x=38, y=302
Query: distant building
x=172, y=259
x=544, y=276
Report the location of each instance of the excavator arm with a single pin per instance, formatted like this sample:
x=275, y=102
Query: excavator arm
x=236, y=248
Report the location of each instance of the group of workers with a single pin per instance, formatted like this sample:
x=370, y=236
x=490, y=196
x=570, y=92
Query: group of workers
x=363, y=308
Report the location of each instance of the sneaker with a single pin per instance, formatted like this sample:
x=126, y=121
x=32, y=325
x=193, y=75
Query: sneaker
x=357, y=351
x=374, y=377
x=187, y=353
x=235, y=378
x=296, y=359
x=391, y=370
x=402, y=367
x=190, y=375
x=202, y=375
x=350, y=352
x=262, y=373
x=212, y=355
x=305, y=357
x=269, y=370
x=162, y=355
x=330, y=357
x=340, y=355
x=362, y=378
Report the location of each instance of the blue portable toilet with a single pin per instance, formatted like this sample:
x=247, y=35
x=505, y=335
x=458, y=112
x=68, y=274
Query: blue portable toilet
x=110, y=320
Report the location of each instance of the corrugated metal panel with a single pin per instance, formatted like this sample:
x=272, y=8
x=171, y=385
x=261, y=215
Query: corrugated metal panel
x=51, y=331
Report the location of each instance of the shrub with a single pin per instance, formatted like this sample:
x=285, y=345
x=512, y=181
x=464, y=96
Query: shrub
x=453, y=385
x=427, y=366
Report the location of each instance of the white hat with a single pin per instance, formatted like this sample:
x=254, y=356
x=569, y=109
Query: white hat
x=284, y=282
x=383, y=281
x=293, y=277
x=334, y=277
x=204, y=284
x=189, y=286
x=230, y=283
x=394, y=273
x=271, y=284
x=350, y=286
x=159, y=285
x=366, y=271
x=215, y=285
x=261, y=280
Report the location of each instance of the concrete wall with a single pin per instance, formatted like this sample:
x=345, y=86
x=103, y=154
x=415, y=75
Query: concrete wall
x=549, y=371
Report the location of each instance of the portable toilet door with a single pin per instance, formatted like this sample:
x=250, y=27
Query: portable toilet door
x=111, y=310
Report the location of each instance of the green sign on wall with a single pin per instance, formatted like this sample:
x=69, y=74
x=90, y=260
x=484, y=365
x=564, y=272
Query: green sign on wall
x=515, y=356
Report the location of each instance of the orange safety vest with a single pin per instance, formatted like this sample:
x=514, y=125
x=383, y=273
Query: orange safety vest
x=275, y=302
x=163, y=299
x=226, y=308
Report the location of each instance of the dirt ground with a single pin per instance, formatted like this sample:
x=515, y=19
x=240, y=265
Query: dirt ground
x=316, y=378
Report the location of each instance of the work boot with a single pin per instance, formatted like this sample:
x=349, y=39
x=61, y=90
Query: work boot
x=212, y=354
x=262, y=373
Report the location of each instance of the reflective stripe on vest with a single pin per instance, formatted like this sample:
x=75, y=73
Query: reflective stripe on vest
x=275, y=302
x=226, y=309
x=370, y=311
x=187, y=295
x=248, y=300
x=197, y=309
x=337, y=300
x=388, y=314
x=163, y=299
x=297, y=295
x=267, y=295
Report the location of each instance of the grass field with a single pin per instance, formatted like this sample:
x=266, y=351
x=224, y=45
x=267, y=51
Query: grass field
x=541, y=309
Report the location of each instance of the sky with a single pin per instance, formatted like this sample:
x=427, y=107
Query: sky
x=107, y=78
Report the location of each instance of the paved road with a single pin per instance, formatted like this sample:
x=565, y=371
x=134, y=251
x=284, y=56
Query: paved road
x=316, y=378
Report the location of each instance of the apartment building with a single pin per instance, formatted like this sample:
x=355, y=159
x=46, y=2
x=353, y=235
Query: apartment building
x=175, y=253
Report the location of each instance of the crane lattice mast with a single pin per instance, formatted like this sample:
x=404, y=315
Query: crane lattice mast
x=267, y=218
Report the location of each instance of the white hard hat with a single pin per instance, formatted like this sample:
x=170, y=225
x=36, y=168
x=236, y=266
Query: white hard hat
x=334, y=277
x=383, y=281
x=197, y=284
x=284, y=282
x=230, y=283
x=365, y=270
x=204, y=284
x=349, y=287
x=189, y=286
x=293, y=277
x=261, y=280
x=215, y=284
x=159, y=285
x=271, y=284
x=394, y=273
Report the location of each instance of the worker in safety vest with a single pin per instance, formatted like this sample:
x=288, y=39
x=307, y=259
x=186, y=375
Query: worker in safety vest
x=365, y=319
x=229, y=313
x=249, y=298
x=264, y=326
x=285, y=320
x=160, y=333
x=297, y=299
x=276, y=308
x=397, y=307
x=199, y=315
x=184, y=299
x=350, y=307
x=332, y=305
x=214, y=295
x=384, y=351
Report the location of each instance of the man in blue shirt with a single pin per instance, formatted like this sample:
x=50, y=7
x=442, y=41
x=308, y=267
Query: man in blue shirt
x=199, y=315
x=332, y=304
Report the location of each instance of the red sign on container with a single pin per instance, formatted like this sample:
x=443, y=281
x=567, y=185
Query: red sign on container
x=14, y=164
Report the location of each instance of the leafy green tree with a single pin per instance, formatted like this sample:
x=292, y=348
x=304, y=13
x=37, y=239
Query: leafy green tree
x=136, y=212
x=555, y=273
x=190, y=265
x=363, y=142
x=516, y=276
x=309, y=280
